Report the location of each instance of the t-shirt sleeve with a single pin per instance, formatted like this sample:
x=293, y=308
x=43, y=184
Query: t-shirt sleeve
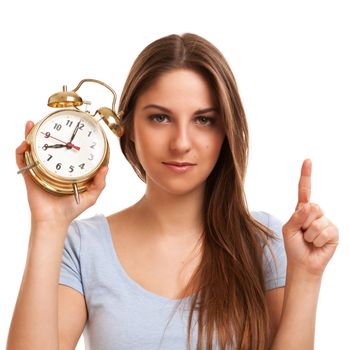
x=70, y=264
x=274, y=254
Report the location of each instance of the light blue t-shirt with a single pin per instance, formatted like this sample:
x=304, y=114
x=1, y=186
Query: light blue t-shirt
x=122, y=315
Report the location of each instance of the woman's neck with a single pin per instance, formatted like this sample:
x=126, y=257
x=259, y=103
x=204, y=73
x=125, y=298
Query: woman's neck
x=172, y=216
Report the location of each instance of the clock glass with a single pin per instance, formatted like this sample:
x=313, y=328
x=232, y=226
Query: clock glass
x=70, y=144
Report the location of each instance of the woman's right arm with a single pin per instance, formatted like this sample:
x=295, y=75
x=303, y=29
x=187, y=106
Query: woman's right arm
x=35, y=320
x=48, y=315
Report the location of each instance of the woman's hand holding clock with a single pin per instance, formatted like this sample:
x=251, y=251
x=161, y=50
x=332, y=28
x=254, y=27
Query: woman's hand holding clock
x=61, y=210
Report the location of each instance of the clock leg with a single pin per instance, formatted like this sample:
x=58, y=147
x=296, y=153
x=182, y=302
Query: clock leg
x=29, y=166
x=76, y=193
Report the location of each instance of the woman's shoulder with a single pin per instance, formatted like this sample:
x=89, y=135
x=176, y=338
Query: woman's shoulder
x=274, y=255
x=98, y=222
x=98, y=228
x=88, y=224
x=274, y=224
x=268, y=220
x=87, y=231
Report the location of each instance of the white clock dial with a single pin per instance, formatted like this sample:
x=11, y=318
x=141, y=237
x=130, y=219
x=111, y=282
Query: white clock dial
x=70, y=144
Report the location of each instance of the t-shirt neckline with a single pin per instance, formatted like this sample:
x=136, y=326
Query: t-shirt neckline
x=131, y=282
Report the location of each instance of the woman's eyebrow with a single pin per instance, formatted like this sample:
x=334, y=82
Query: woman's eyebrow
x=166, y=110
x=163, y=109
x=206, y=110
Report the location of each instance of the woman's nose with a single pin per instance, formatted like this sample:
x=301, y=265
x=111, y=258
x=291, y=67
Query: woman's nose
x=180, y=139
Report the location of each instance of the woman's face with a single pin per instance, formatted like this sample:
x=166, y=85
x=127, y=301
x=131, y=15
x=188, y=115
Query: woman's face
x=178, y=132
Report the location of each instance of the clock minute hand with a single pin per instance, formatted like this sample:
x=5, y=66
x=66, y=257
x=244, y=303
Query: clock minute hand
x=74, y=132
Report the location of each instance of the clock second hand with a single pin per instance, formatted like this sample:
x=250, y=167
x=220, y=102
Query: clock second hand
x=66, y=143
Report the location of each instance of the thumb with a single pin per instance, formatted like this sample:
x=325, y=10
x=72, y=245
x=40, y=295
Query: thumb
x=296, y=221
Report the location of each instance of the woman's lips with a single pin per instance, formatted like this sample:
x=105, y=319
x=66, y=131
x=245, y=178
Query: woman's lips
x=179, y=167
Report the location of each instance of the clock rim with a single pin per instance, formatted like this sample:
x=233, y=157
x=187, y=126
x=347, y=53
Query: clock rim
x=55, y=183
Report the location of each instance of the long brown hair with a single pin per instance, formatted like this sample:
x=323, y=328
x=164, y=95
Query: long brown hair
x=227, y=287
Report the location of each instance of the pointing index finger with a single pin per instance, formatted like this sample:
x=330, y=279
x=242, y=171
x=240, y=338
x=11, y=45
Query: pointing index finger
x=304, y=187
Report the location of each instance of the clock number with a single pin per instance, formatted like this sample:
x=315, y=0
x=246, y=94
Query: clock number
x=69, y=123
x=71, y=168
x=81, y=126
x=45, y=147
x=93, y=145
x=82, y=166
x=58, y=166
x=89, y=134
x=50, y=156
x=57, y=126
x=47, y=134
x=91, y=157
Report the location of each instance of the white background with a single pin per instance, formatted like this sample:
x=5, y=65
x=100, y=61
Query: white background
x=291, y=61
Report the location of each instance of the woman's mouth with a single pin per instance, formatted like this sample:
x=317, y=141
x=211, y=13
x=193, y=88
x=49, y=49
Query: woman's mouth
x=179, y=167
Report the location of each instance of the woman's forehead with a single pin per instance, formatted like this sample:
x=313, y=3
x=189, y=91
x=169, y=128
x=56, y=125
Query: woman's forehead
x=178, y=87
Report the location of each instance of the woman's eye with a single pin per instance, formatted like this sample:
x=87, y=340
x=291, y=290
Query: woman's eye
x=159, y=118
x=203, y=120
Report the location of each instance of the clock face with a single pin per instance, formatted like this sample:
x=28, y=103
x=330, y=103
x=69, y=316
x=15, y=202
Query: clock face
x=70, y=144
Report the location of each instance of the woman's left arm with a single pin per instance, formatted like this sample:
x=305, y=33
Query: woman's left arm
x=310, y=241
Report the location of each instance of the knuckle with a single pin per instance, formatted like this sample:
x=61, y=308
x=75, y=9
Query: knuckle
x=324, y=235
x=316, y=226
x=333, y=232
x=316, y=208
x=318, y=244
x=308, y=238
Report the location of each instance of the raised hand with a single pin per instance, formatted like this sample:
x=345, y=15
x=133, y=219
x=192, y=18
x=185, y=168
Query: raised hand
x=47, y=207
x=310, y=238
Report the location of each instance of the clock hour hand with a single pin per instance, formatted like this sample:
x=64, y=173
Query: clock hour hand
x=58, y=145
x=74, y=132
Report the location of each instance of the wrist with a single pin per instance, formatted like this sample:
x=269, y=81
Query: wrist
x=49, y=228
x=300, y=275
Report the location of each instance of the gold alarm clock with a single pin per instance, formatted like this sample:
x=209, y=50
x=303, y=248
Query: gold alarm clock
x=68, y=146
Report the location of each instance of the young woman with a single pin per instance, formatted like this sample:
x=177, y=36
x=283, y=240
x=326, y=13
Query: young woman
x=187, y=266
